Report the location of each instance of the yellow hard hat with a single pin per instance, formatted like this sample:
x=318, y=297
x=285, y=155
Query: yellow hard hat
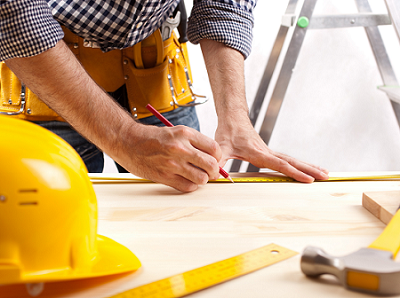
x=48, y=211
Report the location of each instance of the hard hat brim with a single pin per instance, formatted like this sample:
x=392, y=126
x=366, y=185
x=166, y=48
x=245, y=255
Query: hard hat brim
x=111, y=258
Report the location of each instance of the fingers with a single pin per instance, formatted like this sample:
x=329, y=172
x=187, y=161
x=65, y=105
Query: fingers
x=252, y=149
x=203, y=153
x=309, y=169
x=206, y=144
x=178, y=182
x=178, y=156
x=182, y=176
x=296, y=169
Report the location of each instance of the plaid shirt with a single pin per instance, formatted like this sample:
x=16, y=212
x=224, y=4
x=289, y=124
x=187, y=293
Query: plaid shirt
x=29, y=27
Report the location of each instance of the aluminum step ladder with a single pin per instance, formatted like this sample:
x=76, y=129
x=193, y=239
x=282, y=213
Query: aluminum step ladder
x=303, y=22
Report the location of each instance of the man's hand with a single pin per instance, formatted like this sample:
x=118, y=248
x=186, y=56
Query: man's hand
x=179, y=157
x=239, y=140
x=235, y=134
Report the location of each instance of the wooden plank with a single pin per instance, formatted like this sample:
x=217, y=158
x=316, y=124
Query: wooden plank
x=382, y=204
x=173, y=232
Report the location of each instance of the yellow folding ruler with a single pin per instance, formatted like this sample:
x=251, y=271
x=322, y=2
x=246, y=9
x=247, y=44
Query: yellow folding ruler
x=204, y=277
x=101, y=178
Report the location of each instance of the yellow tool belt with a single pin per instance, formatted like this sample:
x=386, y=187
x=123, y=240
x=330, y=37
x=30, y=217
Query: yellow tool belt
x=154, y=71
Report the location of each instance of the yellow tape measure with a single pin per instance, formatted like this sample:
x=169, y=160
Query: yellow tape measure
x=288, y=179
x=236, y=180
x=254, y=179
x=124, y=179
x=204, y=277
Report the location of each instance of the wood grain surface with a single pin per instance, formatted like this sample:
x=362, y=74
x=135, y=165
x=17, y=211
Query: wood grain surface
x=172, y=232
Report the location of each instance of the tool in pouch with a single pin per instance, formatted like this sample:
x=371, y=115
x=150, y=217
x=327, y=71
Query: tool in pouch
x=371, y=270
x=204, y=277
x=158, y=72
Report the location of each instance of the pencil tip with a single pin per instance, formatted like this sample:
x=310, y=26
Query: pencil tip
x=230, y=179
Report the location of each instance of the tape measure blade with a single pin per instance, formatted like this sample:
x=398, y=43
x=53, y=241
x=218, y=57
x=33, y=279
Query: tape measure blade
x=253, y=179
x=111, y=179
x=207, y=276
x=363, y=178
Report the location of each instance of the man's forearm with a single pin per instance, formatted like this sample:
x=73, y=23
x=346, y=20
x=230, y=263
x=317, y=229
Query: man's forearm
x=225, y=67
x=179, y=156
x=61, y=82
x=235, y=133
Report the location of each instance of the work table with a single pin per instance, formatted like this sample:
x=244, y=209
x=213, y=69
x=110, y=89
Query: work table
x=172, y=232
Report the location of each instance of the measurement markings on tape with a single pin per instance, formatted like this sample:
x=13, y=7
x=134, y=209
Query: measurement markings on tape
x=362, y=178
x=204, y=277
x=254, y=179
x=95, y=179
x=288, y=179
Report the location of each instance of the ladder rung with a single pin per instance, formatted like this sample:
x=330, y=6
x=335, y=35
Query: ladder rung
x=341, y=20
x=393, y=92
x=349, y=20
x=288, y=20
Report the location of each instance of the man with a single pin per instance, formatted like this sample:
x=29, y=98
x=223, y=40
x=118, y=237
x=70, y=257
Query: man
x=180, y=157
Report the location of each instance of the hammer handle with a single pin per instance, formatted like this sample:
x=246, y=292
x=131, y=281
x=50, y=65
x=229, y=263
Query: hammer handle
x=182, y=28
x=389, y=239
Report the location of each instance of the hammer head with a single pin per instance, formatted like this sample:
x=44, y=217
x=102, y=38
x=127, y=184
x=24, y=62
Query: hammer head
x=366, y=270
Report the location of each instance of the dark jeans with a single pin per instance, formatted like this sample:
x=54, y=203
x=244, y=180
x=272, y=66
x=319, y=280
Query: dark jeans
x=91, y=155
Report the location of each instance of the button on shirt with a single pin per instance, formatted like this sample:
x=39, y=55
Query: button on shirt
x=30, y=27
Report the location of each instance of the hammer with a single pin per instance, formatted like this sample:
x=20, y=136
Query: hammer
x=370, y=270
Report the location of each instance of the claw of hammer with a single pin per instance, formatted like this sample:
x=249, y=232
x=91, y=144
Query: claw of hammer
x=367, y=270
x=169, y=25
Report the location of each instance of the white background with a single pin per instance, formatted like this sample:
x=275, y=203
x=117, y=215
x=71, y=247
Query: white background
x=333, y=115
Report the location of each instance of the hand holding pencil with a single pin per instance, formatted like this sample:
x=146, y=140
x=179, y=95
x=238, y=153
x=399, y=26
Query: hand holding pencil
x=169, y=124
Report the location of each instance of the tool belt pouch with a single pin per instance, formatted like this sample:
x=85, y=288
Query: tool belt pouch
x=154, y=71
x=18, y=101
x=158, y=72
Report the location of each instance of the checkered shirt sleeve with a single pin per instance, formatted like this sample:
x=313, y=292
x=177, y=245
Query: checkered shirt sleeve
x=27, y=28
x=227, y=21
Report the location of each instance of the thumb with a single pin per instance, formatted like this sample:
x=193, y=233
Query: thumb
x=224, y=158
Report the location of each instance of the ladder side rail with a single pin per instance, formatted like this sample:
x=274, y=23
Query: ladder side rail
x=264, y=84
x=381, y=56
x=267, y=76
x=384, y=65
x=393, y=7
x=284, y=77
x=268, y=72
x=378, y=48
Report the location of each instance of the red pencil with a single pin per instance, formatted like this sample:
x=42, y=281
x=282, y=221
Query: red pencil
x=169, y=124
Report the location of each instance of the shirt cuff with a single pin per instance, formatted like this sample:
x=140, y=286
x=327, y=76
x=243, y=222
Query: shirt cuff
x=27, y=28
x=221, y=22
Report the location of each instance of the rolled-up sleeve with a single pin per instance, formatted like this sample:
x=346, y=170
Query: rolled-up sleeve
x=27, y=28
x=226, y=21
